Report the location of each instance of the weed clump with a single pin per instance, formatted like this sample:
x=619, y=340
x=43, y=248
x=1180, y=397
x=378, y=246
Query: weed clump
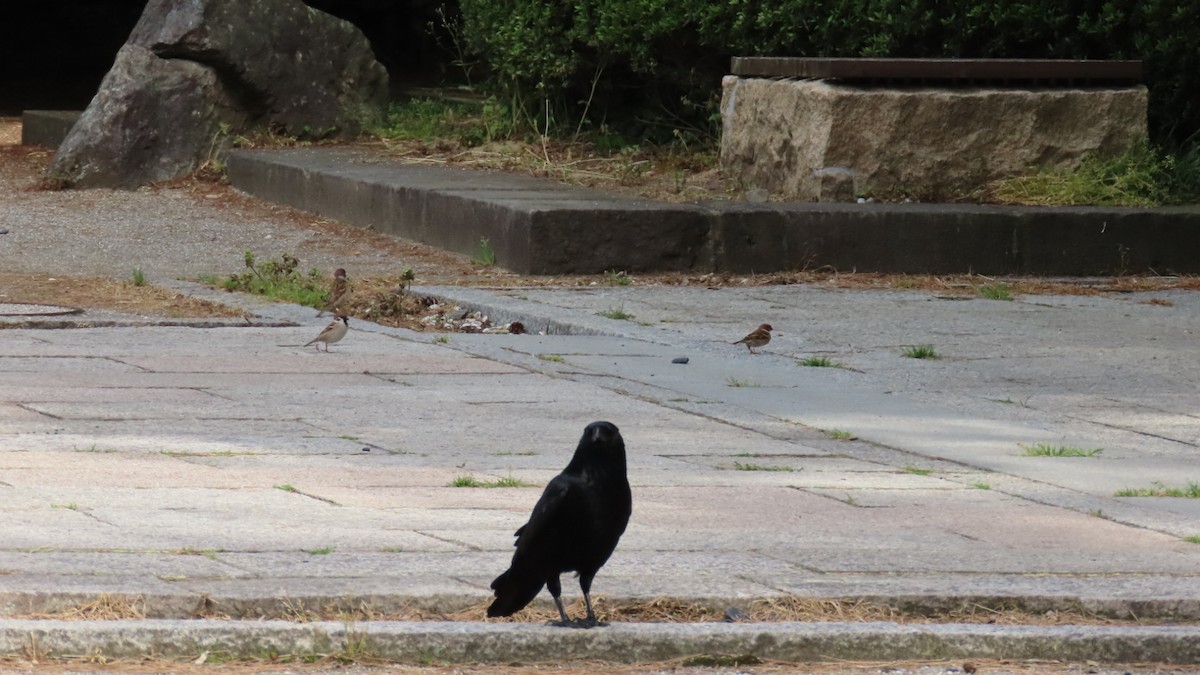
x=279, y=279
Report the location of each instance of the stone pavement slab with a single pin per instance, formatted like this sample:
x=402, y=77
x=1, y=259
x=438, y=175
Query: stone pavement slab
x=307, y=513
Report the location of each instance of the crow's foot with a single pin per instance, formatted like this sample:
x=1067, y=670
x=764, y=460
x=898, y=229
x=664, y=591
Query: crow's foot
x=577, y=623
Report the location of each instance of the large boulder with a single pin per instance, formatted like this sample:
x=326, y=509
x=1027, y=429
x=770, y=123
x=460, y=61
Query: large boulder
x=194, y=74
x=154, y=119
x=816, y=140
x=308, y=72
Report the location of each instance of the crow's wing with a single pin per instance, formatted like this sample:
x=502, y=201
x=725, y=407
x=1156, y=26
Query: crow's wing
x=538, y=550
x=550, y=508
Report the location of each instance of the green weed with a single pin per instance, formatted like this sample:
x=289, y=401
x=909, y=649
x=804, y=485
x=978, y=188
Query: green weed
x=1140, y=176
x=278, y=279
x=466, y=123
x=473, y=482
x=920, y=352
x=486, y=256
x=819, y=362
x=1192, y=491
x=840, y=435
x=735, y=382
x=995, y=292
x=139, y=277
x=617, y=313
x=1047, y=450
x=617, y=278
x=738, y=466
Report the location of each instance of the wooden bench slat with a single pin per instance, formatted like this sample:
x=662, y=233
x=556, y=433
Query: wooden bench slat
x=1008, y=71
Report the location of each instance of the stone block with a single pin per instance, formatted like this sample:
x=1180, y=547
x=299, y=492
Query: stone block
x=787, y=136
x=47, y=127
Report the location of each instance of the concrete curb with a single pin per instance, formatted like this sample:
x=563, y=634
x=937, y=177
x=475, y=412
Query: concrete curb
x=506, y=643
x=541, y=227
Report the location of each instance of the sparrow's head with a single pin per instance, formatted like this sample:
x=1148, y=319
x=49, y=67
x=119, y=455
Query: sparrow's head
x=766, y=327
x=344, y=319
x=339, y=273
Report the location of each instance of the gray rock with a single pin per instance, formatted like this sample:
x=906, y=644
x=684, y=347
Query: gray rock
x=153, y=119
x=303, y=70
x=195, y=74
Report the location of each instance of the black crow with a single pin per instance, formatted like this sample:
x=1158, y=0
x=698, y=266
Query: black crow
x=574, y=527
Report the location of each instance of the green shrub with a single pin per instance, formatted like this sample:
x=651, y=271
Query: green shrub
x=651, y=69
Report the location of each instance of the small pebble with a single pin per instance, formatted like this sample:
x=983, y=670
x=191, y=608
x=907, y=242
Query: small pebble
x=366, y=449
x=680, y=359
x=3, y=230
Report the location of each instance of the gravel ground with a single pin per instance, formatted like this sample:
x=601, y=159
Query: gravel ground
x=184, y=229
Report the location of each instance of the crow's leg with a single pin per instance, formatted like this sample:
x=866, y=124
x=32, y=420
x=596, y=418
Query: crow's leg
x=590, y=621
x=555, y=589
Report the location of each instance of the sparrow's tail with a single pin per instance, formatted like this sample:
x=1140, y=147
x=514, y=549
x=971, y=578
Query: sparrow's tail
x=514, y=590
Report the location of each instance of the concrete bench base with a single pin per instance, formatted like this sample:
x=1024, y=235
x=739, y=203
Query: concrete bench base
x=815, y=140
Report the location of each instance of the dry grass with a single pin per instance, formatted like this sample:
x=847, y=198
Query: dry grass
x=652, y=173
x=657, y=610
x=106, y=293
x=809, y=610
x=104, y=607
x=780, y=609
x=683, y=665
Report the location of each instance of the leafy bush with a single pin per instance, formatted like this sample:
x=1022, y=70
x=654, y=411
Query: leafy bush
x=652, y=68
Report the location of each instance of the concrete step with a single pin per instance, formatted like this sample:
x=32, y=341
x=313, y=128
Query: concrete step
x=510, y=643
x=538, y=226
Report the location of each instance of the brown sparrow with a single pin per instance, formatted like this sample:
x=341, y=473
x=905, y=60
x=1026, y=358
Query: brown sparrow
x=335, y=331
x=339, y=292
x=757, y=338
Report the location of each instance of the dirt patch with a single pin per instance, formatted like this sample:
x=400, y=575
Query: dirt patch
x=10, y=130
x=105, y=293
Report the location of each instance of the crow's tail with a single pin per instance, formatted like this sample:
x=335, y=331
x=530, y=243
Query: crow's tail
x=514, y=590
